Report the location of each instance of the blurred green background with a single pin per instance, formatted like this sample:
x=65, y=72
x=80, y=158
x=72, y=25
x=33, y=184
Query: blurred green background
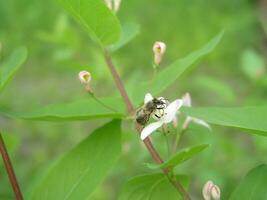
x=233, y=75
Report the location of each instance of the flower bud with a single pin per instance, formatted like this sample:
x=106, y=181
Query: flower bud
x=109, y=4
x=159, y=49
x=85, y=77
x=211, y=191
x=116, y=4
x=206, y=190
x=215, y=192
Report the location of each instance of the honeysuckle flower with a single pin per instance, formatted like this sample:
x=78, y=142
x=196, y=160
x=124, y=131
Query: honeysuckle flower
x=169, y=113
x=159, y=49
x=187, y=103
x=85, y=77
x=211, y=191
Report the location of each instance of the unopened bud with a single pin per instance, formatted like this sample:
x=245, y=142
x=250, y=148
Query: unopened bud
x=116, y=4
x=159, y=49
x=211, y=191
x=215, y=192
x=206, y=190
x=109, y=4
x=113, y=4
x=85, y=78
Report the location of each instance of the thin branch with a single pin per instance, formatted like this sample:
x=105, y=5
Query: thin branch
x=118, y=81
x=10, y=170
x=153, y=152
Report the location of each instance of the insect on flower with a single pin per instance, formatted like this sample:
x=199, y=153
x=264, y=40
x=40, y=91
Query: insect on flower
x=152, y=106
x=160, y=109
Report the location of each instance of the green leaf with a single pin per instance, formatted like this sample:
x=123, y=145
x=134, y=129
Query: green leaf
x=252, y=119
x=81, y=110
x=96, y=18
x=152, y=187
x=170, y=74
x=12, y=65
x=81, y=170
x=129, y=32
x=180, y=157
x=253, y=186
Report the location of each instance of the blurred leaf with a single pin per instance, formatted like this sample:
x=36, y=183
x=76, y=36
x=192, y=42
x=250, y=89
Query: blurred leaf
x=252, y=64
x=168, y=76
x=96, y=18
x=79, y=172
x=253, y=186
x=252, y=119
x=180, y=157
x=218, y=87
x=80, y=110
x=129, y=32
x=12, y=65
x=152, y=187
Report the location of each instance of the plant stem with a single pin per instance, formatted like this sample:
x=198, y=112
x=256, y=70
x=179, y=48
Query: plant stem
x=10, y=170
x=118, y=81
x=155, y=155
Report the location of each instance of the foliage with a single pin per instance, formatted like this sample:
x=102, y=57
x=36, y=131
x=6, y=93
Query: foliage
x=58, y=50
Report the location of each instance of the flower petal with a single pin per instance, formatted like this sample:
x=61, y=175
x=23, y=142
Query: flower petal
x=187, y=100
x=148, y=97
x=171, y=110
x=201, y=122
x=150, y=129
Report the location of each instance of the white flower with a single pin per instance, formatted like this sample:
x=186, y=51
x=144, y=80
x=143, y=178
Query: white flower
x=187, y=103
x=85, y=77
x=169, y=114
x=159, y=49
x=211, y=191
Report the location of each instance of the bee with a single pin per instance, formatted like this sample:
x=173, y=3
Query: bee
x=155, y=107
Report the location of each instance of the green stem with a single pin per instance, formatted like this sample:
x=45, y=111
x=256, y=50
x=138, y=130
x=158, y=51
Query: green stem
x=100, y=102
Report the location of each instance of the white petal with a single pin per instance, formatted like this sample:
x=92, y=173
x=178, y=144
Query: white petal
x=187, y=122
x=201, y=122
x=148, y=97
x=150, y=129
x=171, y=110
x=187, y=100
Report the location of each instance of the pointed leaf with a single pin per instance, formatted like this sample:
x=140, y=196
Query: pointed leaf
x=96, y=18
x=81, y=170
x=12, y=65
x=253, y=186
x=252, y=118
x=180, y=157
x=152, y=187
x=129, y=32
x=170, y=74
x=81, y=110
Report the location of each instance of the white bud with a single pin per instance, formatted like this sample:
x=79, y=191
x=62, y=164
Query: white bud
x=211, y=191
x=215, y=192
x=159, y=49
x=85, y=77
x=109, y=4
x=116, y=4
x=206, y=190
